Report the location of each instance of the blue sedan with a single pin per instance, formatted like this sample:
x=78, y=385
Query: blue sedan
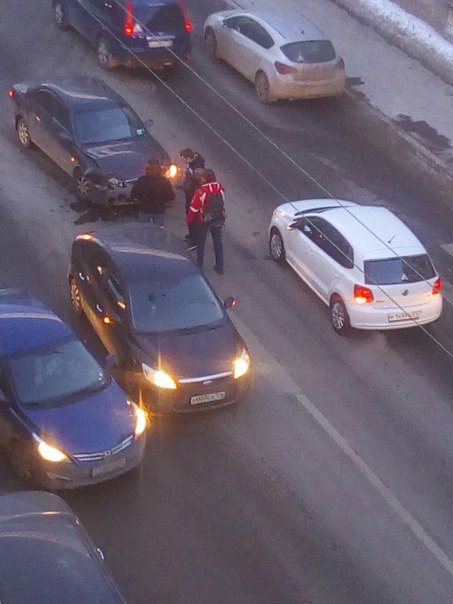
x=64, y=422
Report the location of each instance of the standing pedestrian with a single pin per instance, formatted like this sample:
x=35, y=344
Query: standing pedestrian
x=152, y=191
x=193, y=161
x=207, y=212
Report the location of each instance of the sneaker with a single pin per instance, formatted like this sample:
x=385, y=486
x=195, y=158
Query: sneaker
x=218, y=270
x=191, y=248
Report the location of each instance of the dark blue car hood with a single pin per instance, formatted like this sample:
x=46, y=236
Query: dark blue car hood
x=207, y=352
x=92, y=424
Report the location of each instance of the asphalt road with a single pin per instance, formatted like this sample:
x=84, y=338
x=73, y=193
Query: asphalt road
x=332, y=483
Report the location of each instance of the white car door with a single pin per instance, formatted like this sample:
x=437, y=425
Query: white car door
x=301, y=250
x=249, y=44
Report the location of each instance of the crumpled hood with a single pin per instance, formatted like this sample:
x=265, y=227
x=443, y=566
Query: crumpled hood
x=126, y=160
x=193, y=355
x=89, y=425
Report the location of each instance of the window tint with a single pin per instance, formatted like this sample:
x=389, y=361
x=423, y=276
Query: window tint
x=43, y=98
x=166, y=19
x=95, y=259
x=390, y=271
x=115, y=290
x=326, y=237
x=312, y=51
x=252, y=30
x=106, y=125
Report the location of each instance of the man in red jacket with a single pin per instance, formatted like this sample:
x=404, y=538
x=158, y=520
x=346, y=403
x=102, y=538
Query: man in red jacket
x=207, y=212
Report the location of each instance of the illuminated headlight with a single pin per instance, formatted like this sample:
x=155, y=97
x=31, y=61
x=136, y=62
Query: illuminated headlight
x=140, y=415
x=115, y=182
x=241, y=365
x=49, y=453
x=158, y=377
x=172, y=171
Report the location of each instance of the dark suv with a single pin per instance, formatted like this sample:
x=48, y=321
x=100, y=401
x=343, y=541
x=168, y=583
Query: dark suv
x=155, y=33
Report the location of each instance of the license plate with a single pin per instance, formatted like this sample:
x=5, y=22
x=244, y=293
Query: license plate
x=108, y=466
x=404, y=316
x=207, y=398
x=160, y=43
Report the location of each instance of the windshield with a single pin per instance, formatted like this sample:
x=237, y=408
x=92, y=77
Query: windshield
x=407, y=269
x=311, y=51
x=107, y=125
x=183, y=303
x=50, y=374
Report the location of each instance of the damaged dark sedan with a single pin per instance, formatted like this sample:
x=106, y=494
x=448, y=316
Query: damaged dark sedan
x=90, y=132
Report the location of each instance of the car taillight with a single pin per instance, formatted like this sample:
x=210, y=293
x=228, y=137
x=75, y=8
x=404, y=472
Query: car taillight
x=437, y=287
x=129, y=20
x=340, y=65
x=362, y=294
x=284, y=69
x=11, y=92
x=187, y=23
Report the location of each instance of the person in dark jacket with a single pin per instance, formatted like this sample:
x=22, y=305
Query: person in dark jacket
x=153, y=191
x=193, y=162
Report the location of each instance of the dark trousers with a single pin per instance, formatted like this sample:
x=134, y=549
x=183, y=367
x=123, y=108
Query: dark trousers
x=216, y=234
x=192, y=227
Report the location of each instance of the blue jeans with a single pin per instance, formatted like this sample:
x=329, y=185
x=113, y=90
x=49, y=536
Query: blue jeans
x=216, y=234
x=158, y=219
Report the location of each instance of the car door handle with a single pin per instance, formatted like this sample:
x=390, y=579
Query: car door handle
x=37, y=118
x=99, y=309
x=81, y=277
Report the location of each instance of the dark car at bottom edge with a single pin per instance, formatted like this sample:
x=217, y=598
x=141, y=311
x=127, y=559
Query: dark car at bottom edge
x=152, y=307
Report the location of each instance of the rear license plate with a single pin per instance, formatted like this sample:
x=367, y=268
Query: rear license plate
x=404, y=316
x=207, y=398
x=108, y=466
x=160, y=43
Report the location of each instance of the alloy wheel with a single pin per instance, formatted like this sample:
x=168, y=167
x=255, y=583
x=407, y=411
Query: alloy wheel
x=276, y=246
x=211, y=44
x=74, y=294
x=23, y=133
x=262, y=87
x=83, y=187
x=339, y=316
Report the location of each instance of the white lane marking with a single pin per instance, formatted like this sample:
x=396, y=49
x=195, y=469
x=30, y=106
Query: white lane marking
x=266, y=364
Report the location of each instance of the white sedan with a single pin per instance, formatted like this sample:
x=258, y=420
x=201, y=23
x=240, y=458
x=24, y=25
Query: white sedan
x=285, y=57
x=362, y=261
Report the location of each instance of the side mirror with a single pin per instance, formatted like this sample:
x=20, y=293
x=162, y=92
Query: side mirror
x=109, y=361
x=149, y=123
x=293, y=226
x=229, y=302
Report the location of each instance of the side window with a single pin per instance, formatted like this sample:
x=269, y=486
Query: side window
x=95, y=260
x=60, y=114
x=253, y=30
x=43, y=98
x=332, y=242
x=115, y=290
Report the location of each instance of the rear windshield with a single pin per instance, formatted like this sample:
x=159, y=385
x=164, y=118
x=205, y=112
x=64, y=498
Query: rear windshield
x=312, y=51
x=166, y=18
x=407, y=269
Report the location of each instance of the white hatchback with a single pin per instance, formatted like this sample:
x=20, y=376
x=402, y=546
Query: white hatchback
x=362, y=261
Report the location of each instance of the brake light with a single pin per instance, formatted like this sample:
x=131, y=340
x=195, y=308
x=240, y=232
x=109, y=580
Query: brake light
x=437, y=287
x=187, y=23
x=284, y=69
x=362, y=294
x=129, y=20
x=11, y=92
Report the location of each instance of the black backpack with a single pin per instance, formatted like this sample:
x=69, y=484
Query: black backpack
x=215, y=208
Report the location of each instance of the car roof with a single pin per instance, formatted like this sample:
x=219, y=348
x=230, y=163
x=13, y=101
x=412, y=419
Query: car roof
x=141, y=250
x=83, y=92
x=40, y=533
x=26, y=323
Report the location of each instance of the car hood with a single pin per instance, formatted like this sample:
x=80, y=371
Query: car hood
x=191, y=355
x=92, y=424
x=126, y=160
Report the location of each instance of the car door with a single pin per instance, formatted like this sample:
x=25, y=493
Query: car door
x=39, y=118
x=84, y=17
x=250, y=47
x=60, y=135
x=115, y=332
x=300, y=248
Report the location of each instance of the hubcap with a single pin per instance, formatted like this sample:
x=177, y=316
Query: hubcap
x=262, y=86
x=23, y=133
x=75, y=297
x=83, y=187
x=276, y=246
x=58, y=14
x=338, y=316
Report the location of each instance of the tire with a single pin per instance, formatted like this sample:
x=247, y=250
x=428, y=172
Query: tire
x=23, y=133
x=262, y=88
x=82, y=186
x=104, y=56
x=276, y=246
x=20, y=462
x=210, y=43
x=59, y=15
x=74, y=295
x=339, y=316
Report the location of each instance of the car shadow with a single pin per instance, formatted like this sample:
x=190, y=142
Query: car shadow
x=90, y=213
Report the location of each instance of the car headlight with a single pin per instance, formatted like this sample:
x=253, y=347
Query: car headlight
x=159, y=378
x=140, y=415
x=241, y=364
x=115, y=182
x=47, y=452
x=171, y=172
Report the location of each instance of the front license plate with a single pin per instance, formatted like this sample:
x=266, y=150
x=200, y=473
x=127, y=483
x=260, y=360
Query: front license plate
x=108, y=466
x=207, y=398
x=160, y=43
x=404, y=316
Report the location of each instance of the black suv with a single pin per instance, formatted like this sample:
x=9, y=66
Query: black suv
x=153, y=309
x=90, y=132
x=155, y=33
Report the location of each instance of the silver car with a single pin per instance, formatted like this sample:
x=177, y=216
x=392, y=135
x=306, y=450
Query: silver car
x=285, y=57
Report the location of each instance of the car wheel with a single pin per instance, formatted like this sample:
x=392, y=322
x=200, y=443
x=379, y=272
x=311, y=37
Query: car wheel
x=23, y=133
x=59, y=14
x=339, y=316
x=276, y=246
x=76, y=300
x=262, y=87
x=210, y=43
x=20, y=461
x=82, y=187
x=105, y=59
